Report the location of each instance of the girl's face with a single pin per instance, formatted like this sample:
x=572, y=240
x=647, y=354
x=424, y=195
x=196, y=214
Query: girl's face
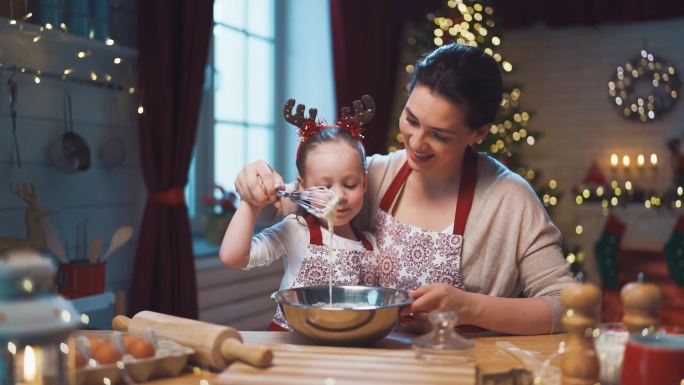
x=337, y=166
x=435, y=134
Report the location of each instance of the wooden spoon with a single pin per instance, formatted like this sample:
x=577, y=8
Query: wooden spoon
x=94, y=250
x=121, y=236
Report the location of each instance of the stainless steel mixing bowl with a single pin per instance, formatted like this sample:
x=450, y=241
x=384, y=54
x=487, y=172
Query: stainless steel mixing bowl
x=373, y=315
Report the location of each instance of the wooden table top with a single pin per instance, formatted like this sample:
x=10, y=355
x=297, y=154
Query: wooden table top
x=494, y=366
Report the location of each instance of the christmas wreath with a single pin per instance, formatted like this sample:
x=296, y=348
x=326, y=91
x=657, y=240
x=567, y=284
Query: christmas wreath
x=627, y=91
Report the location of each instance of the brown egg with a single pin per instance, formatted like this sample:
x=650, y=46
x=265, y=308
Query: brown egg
x=106, y=353
x=128, y=340
x=141, y=348
x=80, y=360
x=95, y=341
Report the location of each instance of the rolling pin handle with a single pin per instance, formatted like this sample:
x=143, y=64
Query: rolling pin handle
x=120, y=323
x=254, y=355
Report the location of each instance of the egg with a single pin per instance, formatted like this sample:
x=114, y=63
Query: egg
x=80, y=360
x=94, y=342
x=128, y=340
x=141, y=348
x=106, y=353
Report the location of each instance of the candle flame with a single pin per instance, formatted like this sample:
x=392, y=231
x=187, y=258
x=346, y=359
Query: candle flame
x=640, y=160
x=29, y=364
x=613, y=160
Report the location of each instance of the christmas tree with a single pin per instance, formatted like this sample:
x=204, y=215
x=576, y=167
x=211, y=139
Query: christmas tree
x=474, y=23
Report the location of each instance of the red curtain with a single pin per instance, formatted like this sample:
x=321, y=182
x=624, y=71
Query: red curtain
x=173, y=42
x=366, y=41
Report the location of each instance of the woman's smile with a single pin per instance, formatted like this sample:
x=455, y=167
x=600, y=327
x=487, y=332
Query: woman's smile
x=419, y=157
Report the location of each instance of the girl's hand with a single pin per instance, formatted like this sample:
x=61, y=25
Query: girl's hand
x=257, y=182
x=440, y=296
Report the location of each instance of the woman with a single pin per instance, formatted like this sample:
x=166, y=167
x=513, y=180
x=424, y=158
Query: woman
x=455, y=227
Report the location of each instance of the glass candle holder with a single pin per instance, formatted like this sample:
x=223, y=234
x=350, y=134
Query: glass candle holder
x=34, y=323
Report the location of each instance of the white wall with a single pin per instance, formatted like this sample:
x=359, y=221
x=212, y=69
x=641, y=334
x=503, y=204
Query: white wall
x=106, y=199
x=563, y=74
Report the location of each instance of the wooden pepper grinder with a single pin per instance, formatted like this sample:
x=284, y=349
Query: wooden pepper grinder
x=641, y=302
x=579, y=362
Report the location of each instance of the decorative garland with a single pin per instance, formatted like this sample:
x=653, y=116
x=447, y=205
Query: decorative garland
x=664, y=80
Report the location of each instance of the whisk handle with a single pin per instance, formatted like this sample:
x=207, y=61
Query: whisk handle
x=292, y=195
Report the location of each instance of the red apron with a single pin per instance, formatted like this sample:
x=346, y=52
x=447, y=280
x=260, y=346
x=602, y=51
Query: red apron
x=411, y=257
x=347, y=266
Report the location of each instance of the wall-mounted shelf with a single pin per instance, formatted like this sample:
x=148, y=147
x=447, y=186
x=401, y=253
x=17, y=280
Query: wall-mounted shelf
x=41, y=53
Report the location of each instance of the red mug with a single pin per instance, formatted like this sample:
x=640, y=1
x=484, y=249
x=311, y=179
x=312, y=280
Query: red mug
x=654, y=360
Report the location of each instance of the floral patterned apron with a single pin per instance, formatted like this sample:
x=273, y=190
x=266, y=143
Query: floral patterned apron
x=347, y=265
x=411, y=257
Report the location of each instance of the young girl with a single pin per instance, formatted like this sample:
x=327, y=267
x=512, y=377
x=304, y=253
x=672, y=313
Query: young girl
x=328, y=156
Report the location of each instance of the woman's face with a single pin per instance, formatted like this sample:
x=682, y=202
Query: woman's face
x=337, y=166
x=435, y=134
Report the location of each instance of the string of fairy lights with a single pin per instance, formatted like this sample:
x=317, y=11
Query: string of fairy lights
x=35, y=34
x=627, y=190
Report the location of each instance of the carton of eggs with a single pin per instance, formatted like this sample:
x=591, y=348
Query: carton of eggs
x=108, y=357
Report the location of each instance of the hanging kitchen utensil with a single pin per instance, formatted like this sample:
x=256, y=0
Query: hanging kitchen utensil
x=70, y=152
x=12, y=98
x=121, y=236
x=113, y=151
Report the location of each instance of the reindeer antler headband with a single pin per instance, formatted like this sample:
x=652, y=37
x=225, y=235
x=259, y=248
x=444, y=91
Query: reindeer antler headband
x=364, y=110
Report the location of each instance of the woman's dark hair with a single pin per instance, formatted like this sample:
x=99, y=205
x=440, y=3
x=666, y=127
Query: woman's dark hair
x=329, y=135
x=466, y=76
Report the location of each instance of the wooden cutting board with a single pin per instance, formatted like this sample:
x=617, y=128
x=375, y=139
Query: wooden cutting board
x=295, y=355
x=322, y=365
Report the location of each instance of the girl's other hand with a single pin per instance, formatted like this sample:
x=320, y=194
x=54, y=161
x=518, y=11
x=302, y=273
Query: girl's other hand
x=257, y=182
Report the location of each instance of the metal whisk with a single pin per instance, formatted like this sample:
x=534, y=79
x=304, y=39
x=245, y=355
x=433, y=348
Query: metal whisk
x=316, y=200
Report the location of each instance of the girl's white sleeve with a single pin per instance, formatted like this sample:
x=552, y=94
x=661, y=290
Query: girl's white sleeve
x=272, y=243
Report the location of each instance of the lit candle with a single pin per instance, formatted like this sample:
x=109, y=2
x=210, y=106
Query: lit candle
x=625, y=161
x=613, y=160
x=654, y=160
x=640, y=160
x=31, y=366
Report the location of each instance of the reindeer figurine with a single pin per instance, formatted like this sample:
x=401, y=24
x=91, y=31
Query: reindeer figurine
x=35, y=234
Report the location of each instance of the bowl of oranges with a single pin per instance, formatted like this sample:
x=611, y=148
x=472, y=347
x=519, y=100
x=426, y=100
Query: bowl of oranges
x=114, y=357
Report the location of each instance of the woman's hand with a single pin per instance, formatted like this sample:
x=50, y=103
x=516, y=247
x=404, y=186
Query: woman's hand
x=506, y=315
x=257, y=182
x=440, y=296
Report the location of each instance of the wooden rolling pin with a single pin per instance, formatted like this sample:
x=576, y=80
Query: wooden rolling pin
x=215, y=345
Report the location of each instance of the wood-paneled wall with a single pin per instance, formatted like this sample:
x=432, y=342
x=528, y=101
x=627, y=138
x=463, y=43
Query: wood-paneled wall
x=237, y=298
x=102, y=198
